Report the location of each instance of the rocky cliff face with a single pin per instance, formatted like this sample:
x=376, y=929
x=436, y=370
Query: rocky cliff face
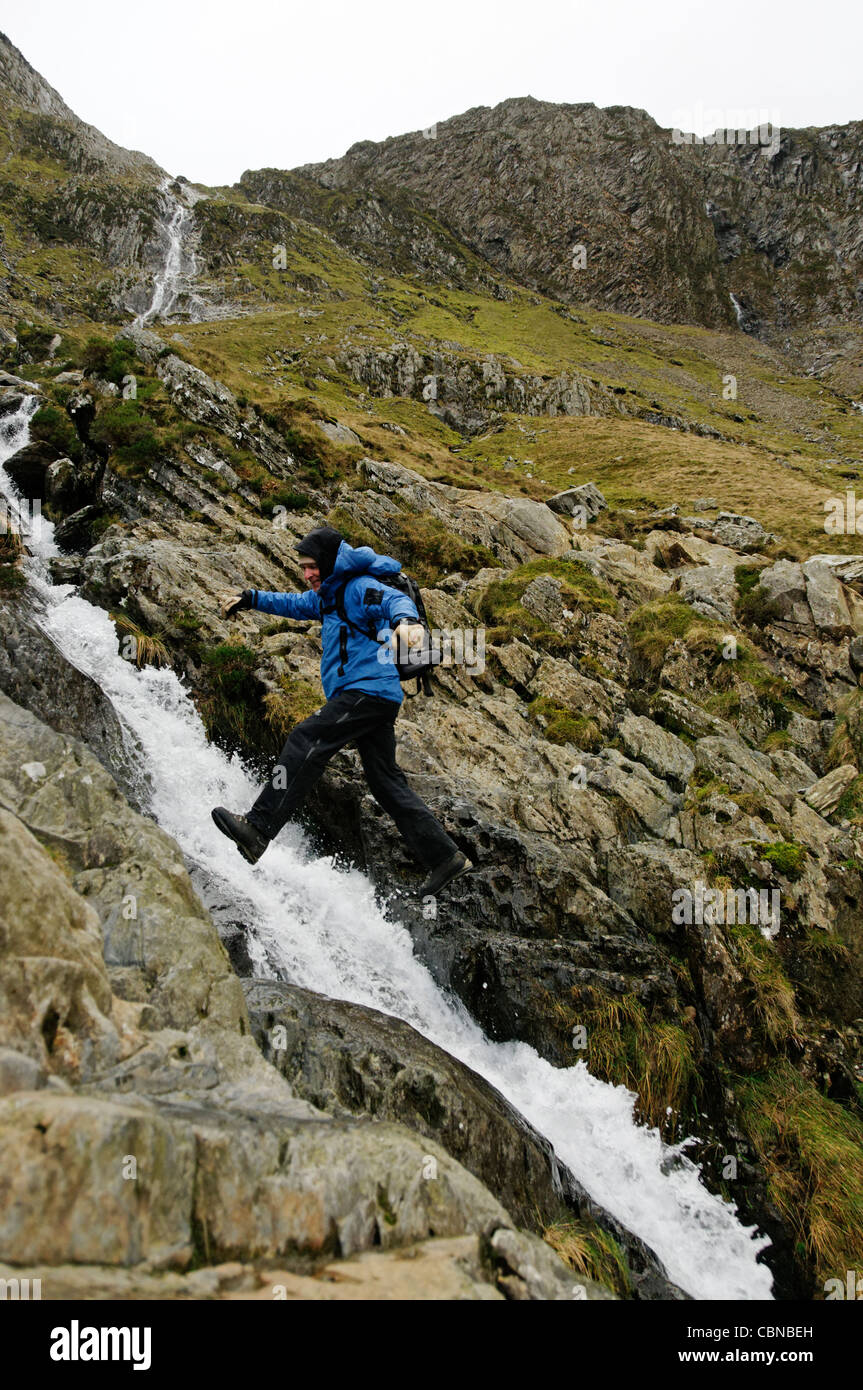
x=668, y=230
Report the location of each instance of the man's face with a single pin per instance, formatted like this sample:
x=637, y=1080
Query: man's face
x=311, y=574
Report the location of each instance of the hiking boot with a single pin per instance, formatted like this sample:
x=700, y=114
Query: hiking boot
x=248, y=839
x=445, y=873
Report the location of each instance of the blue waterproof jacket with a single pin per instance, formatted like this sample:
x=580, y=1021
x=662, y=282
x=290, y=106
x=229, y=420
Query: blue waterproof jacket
x=350, y=660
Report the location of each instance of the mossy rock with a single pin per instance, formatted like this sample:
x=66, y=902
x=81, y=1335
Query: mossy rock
x=559, y=725
x=787, y=858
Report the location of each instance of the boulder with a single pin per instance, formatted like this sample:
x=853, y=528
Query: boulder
x=55, y=997
x=62, y=484
x=740, y=532
x=525, y=523
x=28, y=468
x=826, y=600
x=563, y=683
x=584, y=501
x=784, y=584
x=339, y=434
x=90, y=1181
x=543, y=598
x=646, y=796
x=825, y=794
x=792, y=770
x=643, y=877
x=710, y=590
x=71, y=702
x=743, y=769
x=517, y=662
x=18, y=1072
x=350, y=1060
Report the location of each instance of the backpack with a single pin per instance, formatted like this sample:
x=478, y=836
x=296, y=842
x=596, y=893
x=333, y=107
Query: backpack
x=408, y=668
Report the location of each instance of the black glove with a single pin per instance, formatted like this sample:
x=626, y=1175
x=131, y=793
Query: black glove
x=231, y=604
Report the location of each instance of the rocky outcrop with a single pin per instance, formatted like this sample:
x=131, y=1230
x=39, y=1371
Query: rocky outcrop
x=493, y=1267
x=34, y=674
x=470, y=396
x=350, y=1060
x=512, y=528
x=140, y=1127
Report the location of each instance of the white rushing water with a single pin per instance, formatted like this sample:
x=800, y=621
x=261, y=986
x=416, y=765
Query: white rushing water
x=323, y=929
x=738, y=311
x=171, y=278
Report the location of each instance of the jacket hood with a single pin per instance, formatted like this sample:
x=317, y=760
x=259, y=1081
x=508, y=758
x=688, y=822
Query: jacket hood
x=352, y=561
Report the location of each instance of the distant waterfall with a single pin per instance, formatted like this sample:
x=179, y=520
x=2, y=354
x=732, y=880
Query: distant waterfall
x=179, y=264
x=741, y=317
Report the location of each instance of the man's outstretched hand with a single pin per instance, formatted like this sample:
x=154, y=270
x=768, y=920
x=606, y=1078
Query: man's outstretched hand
x=232, y=604
x=413, y=634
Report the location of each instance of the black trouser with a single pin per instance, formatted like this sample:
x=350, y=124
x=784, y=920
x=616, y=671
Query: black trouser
x=367, y=721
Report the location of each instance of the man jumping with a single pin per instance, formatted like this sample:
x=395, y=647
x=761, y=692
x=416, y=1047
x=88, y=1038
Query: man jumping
x=363, y=695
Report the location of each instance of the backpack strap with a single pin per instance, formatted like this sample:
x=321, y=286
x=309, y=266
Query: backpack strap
x=371, y=631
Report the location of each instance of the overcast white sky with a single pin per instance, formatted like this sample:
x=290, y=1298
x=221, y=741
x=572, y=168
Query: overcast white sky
x=212, y=88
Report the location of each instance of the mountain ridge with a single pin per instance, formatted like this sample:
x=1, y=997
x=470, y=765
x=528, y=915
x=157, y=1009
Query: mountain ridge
x=20, y=79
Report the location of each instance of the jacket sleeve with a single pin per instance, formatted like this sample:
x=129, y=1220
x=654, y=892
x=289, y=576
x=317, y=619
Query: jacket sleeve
x=304, y=605
x=383, y=606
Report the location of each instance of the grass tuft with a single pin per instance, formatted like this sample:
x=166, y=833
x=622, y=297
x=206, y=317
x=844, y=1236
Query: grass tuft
x=811, y=1151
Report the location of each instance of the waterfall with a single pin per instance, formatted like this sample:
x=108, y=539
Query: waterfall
x=738, y=311
x=322, y=928
x=171, y=278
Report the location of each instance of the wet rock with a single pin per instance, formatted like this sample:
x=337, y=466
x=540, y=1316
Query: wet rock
x=28, y=468
x=75, y=532
x=62, y=484
x=35, y=674
x=347, y=1059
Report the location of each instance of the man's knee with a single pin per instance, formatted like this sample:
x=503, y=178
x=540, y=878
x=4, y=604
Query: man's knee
x=302, y=741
